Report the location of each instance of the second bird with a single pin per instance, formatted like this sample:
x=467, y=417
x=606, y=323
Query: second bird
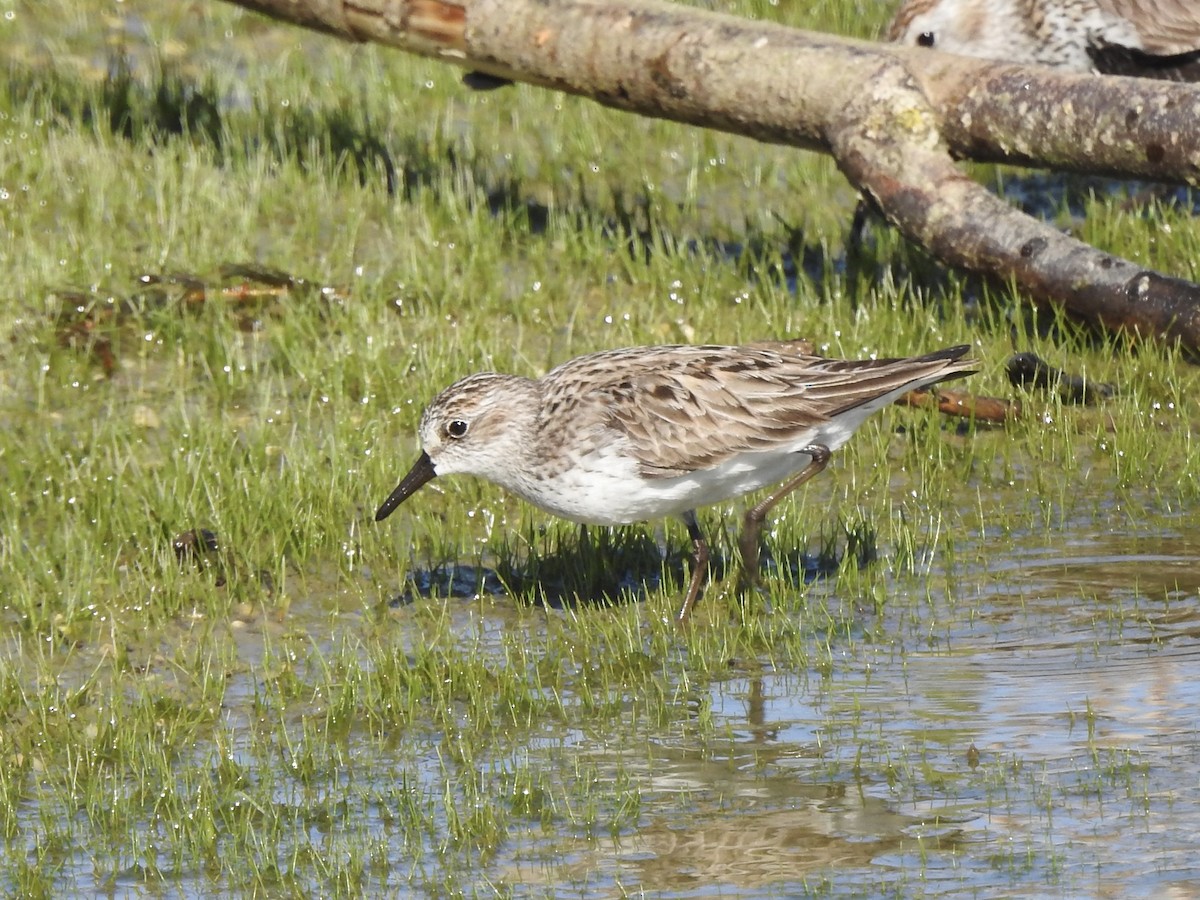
x=628, y=435
x=1145, y=38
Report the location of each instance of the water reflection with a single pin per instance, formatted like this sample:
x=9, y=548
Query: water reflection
x=743, y=829
x=1045, y=742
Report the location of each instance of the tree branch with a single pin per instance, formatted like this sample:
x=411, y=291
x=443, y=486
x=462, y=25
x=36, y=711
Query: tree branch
x=893, y=118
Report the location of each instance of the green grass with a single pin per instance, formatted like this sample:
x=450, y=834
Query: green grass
x=278, y=714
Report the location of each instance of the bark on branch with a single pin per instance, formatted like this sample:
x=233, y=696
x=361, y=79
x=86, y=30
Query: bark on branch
x=894, y=119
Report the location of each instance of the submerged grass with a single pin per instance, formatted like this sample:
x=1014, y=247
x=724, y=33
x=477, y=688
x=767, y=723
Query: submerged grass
x=214, y=677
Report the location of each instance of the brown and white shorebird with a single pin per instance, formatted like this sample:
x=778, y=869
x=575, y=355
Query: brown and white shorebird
x=628, y=435
x=1146, y=38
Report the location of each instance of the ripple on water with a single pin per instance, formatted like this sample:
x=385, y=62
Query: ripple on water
x=1046, y=742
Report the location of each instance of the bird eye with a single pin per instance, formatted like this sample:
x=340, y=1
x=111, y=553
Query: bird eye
x=456, y=428
x=926, y=39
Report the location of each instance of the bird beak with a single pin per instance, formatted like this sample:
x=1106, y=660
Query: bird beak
x=421, y=472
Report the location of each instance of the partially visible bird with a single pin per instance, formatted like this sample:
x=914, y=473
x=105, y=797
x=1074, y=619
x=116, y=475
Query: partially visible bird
x=1144, y=38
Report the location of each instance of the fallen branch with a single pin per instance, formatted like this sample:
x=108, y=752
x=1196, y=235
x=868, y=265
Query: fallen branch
x=967, y=406
x=895, y=120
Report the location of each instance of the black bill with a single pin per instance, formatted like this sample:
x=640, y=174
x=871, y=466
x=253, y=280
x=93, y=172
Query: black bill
x=421, y=472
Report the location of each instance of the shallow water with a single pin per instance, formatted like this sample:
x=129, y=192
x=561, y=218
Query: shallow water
x=1038, y=737
x=1022, y=724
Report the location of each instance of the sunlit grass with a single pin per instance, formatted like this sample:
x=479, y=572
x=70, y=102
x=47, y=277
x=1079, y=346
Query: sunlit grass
x=273, y=709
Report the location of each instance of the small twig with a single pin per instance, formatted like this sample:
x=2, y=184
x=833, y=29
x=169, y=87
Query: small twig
x=960, y=403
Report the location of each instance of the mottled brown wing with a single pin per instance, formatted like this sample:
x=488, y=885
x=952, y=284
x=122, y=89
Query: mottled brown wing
x=696, y=413
x=690, y=408
x=1167, y=27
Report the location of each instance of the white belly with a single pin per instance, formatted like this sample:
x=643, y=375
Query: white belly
x=610, y=491
x=605, y=487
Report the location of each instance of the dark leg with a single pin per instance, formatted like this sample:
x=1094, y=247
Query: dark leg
x=699, y=566
x=752, y=523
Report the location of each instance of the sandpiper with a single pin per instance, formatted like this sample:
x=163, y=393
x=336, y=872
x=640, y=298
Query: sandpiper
x=640, y=433
x=1147, y=38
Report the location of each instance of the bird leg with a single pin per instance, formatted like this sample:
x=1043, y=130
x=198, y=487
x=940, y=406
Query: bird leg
x=752, y=523
x=699, y=566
